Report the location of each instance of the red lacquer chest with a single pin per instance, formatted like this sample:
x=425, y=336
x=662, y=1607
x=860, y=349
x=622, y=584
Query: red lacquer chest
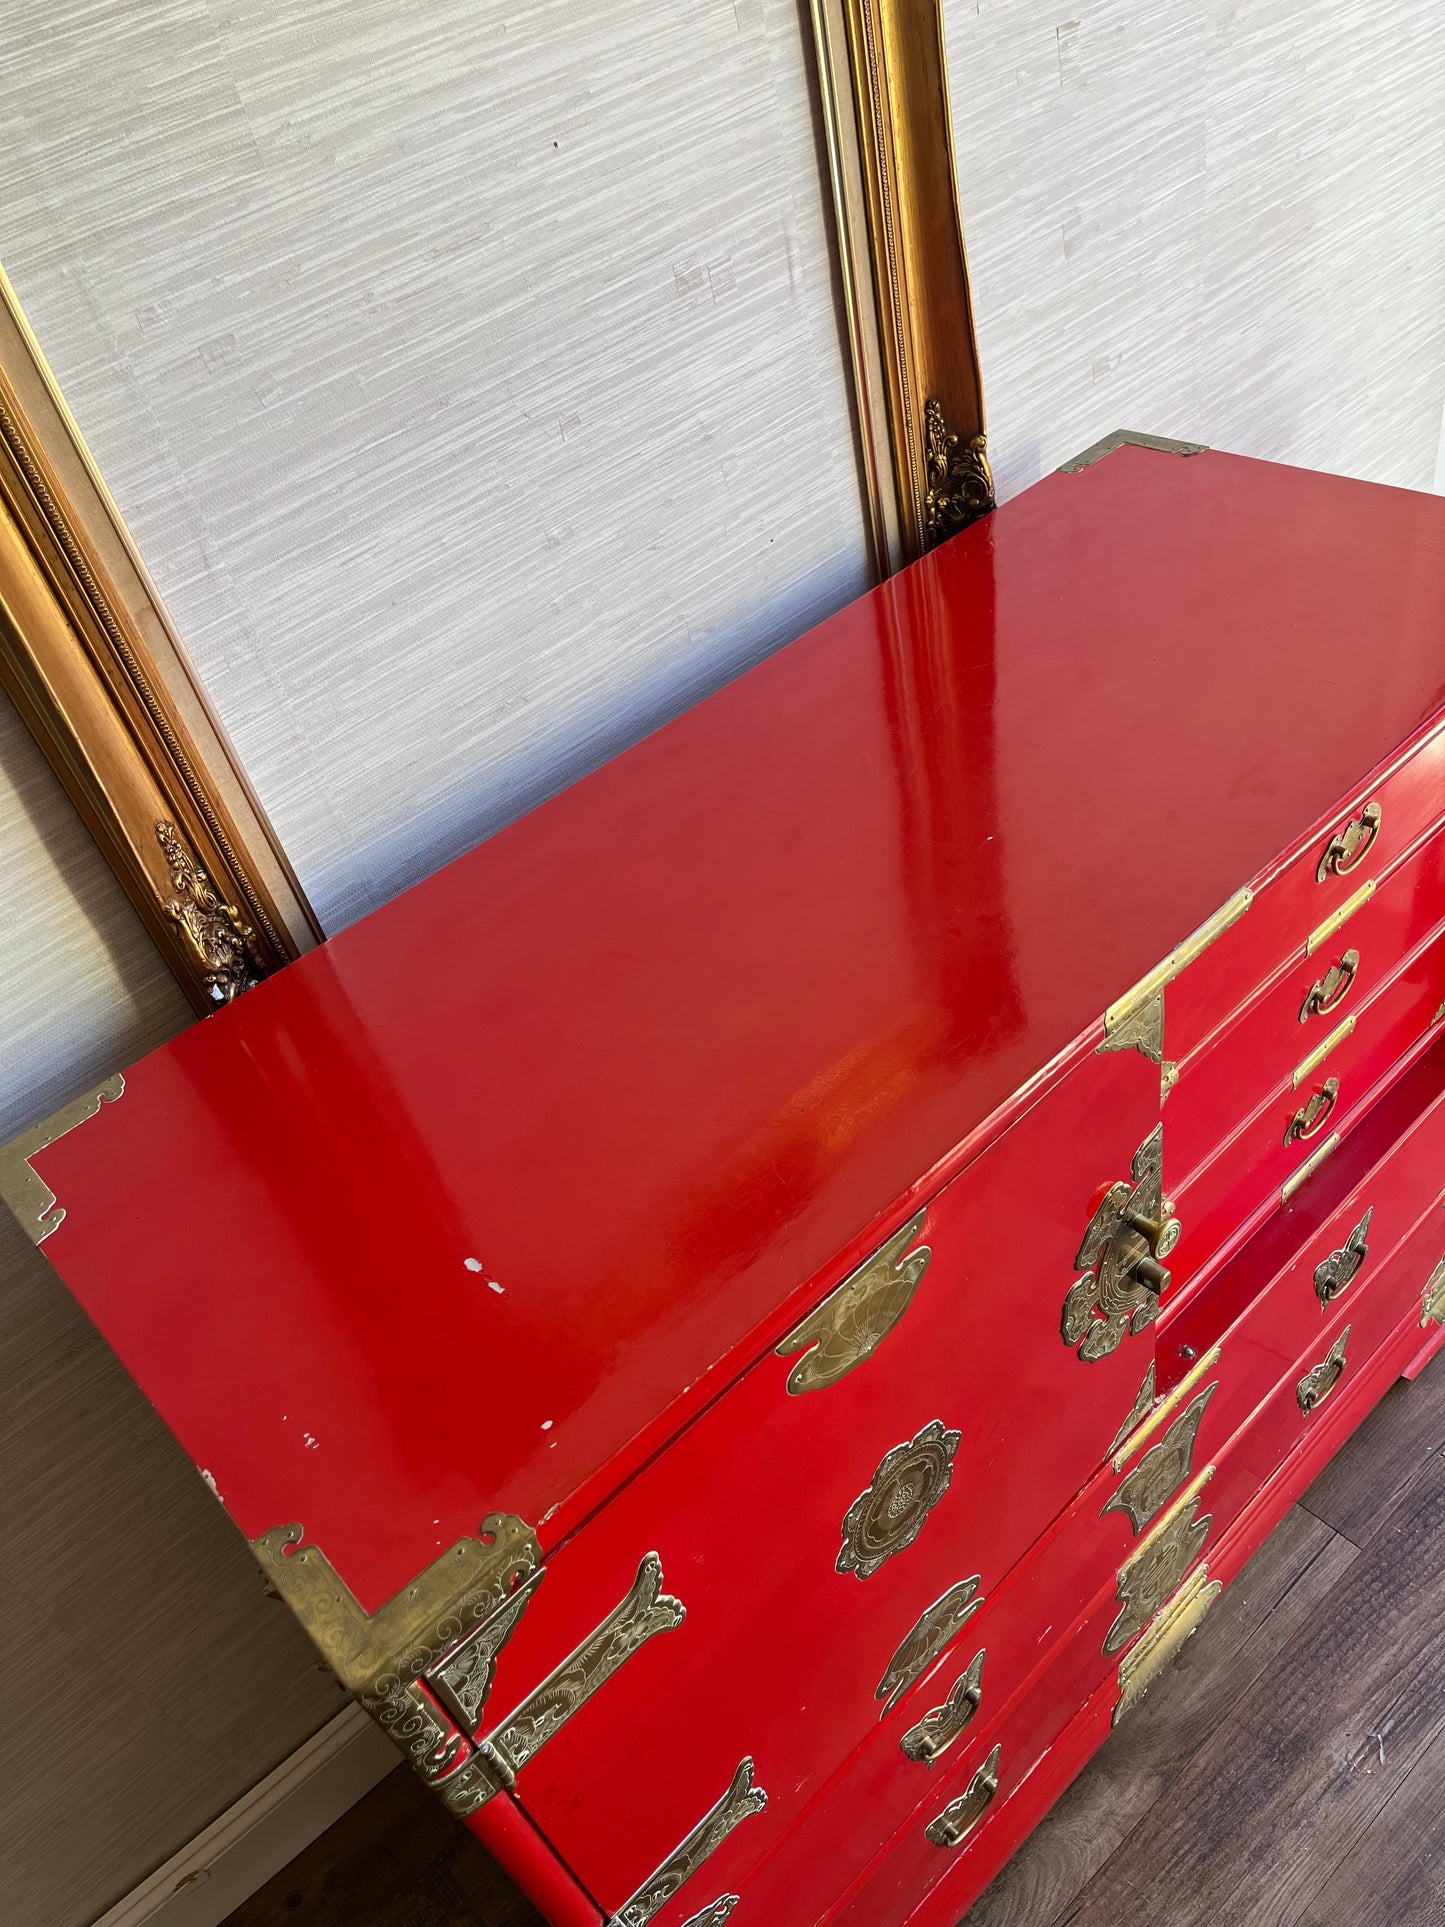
x=751, y=1314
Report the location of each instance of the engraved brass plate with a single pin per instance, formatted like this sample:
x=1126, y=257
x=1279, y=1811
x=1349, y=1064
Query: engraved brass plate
x=1139, y=1027
x=1342, y=1267
x=852, y=1321
x=888, y=1517
x=646, y=1611
x=1158, y=1565
x=959, y=1819
x=1432, y=1302
x=927, y=1639
x=1142, y=1404
x=1317, y=1384
x=741, y=1801
x=1349, y=847
x=28, y=1195
x=1163, y=1637
x=714, y=1915
x=1121, y=1013
x=1163, y=1468
x=463, y=1680
x=372, y=1653
x=1331, y=988
x=1125, y=1238
x=931, y=1738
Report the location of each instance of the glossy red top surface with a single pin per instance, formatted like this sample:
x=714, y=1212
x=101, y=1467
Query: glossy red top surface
x=455, y=1213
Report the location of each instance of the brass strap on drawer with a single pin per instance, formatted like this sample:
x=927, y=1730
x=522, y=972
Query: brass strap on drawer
x=1163, y=1637
x=1306, y=1068
x=958, y=1820
x=741, y=1801
x=1163, y=1468
x=1324, y=931
x=1159, y=1562
x=1432, y=1299
x=1296, y=1179
x=1135, y=1021
x=1129, y=1444
x=1349, y=847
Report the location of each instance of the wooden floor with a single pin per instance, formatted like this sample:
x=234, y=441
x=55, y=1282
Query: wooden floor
x=1286, y=1772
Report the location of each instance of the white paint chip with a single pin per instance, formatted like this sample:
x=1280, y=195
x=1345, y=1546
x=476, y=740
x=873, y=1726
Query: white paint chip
x=473, y=1264
x=310, y=1442
x=492, y=1285
x=546, y=1425
x=210, y=1481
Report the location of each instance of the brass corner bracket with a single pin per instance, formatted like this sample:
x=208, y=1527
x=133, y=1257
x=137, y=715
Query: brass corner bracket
x=1129, y=438
x=22, y=1188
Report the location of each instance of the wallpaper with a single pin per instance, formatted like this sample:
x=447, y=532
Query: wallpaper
x=467, y=372
x=1222, y=220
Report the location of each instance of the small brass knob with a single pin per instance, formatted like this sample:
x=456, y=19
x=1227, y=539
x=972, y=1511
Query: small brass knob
x=1162, y=1234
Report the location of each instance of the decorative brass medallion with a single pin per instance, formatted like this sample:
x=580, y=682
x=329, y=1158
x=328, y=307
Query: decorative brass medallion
x=958, y=1820
x=646, y=1611
x=909, y=1482
x=1126, y=1237
x=220, y=939
x=960, y=486
x=26, y=1193
x=1163, y=1637
x=1350, y=846
x=1342, y=1267
x=741, y=1801
x=1163, y=1468
x=1317, y=1384
x=1141, y=1405
x=920, y=1647
x=1331, y=988
x=939, y=1728
x=1158, y=1565
x=852, y=1321
x=1432, y=1302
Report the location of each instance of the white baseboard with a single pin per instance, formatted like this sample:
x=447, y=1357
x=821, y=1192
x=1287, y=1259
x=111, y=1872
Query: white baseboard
x=264, y=1830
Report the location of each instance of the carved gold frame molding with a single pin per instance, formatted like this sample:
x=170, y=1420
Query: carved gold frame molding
x=884, y=83
x=93, y=666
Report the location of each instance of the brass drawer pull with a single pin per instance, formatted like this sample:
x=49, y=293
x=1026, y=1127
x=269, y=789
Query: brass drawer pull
x=939, y=1728
x=1332, y=988
x=957, y=1822
x=1342, y=1267
x=1317, y=1384
x=1347, y=849
x=1310, y=1118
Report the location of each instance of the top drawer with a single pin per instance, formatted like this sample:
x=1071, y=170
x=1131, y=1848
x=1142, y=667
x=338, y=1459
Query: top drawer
x=1215, y=973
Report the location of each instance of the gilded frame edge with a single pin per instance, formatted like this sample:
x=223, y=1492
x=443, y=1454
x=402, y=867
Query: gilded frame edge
x=94, y=666
x=883, y=83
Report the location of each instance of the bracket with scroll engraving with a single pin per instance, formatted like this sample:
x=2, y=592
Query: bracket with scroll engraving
x=1126, y=1237
x=423, y=1664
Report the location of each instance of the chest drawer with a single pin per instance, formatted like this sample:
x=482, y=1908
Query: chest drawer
x=1253, y=1167
x=809, y=1518
x=1325, y=984
x=1368, y=835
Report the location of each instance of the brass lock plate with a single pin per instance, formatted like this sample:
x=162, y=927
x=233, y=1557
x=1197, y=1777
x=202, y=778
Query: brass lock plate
x=1128, y=1235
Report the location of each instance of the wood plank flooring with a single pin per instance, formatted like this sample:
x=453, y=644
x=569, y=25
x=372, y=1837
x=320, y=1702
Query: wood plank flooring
x=1284, y=1773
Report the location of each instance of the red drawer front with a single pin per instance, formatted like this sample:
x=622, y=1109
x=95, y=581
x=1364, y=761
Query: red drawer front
x=1249, y=1172
x=785, y=1643
x=1291, y=901
x=1223, y=1082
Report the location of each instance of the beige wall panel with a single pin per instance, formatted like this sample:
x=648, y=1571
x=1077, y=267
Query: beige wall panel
x=468, y=373
x=1222, y=220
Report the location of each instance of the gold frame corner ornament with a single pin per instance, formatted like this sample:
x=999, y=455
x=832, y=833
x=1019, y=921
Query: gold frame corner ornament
x=883, y=76
x=91, y=662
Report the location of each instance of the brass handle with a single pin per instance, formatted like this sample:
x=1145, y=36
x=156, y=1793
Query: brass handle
x=1347, y=849
x=941, y=1726
x=1331, y=989
x=1317, y=1384
x=957, y=1822
x=1310, y=1118
x=1342, y=1267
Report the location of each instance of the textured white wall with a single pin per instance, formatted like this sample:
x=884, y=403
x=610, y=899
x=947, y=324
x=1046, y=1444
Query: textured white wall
x=468, y=373
x=1222, y=220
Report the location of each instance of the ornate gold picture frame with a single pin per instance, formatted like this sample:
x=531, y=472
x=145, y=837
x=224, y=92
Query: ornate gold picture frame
x=102, y=682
